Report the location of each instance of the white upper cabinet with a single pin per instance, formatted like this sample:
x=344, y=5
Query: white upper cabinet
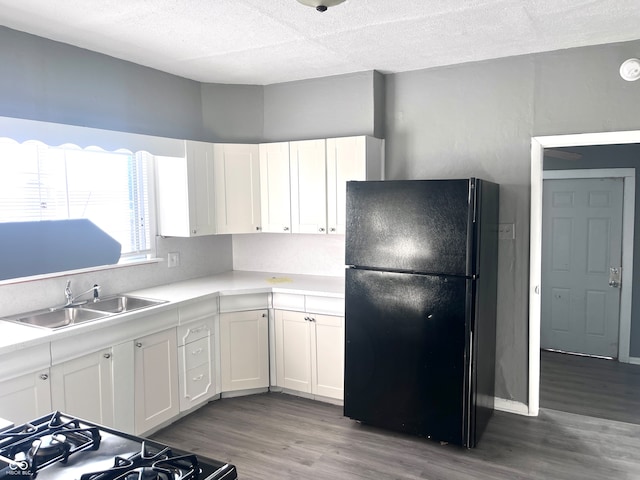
x=308, y=186
x=349, y=158
x=185, y=192
x=275, y=187
x=237, y=188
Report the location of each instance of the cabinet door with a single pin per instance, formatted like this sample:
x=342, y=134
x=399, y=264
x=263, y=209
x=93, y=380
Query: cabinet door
x=275, y=187
x=327, y=362
x=308, y=186
x=244, y=350
x=156, y=380
x=83, y=387
x=237, y=188
x=293, y=350
x=185, y=192
x=26, y=397
x=346, y=160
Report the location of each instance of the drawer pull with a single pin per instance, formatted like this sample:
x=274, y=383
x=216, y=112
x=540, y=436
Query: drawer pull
x=107, y=355
x=196, y=352
x=44, y=376
x=198, y=378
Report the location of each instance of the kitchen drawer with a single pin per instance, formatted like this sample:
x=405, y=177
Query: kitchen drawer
x=324, y=305
x=197, y=310
x=238, y=303
x=195, y=331
x=196, y=353
x=197, y=383
x=288, y=301
x=26, y=360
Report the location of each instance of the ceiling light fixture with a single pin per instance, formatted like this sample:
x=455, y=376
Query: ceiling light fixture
x=630, y=70
x=321, y=5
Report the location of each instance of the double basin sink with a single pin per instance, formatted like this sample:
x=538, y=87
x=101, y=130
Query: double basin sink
x=75, y=314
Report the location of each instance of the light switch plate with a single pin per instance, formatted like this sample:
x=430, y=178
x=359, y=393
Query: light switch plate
x=506, y=231
x=173, y=259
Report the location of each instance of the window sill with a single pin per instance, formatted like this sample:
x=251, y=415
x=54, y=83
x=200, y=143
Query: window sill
x=45, y=276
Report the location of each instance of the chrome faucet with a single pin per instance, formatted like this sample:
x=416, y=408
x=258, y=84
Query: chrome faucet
x=71, y=299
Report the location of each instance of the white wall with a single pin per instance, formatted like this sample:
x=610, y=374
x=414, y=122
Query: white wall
x=289, y=253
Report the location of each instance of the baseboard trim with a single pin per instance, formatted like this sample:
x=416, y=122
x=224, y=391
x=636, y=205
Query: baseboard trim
x=511, y=406
x=634, y=360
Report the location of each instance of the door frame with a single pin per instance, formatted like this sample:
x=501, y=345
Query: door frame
x=538, y=144
x=628, y=213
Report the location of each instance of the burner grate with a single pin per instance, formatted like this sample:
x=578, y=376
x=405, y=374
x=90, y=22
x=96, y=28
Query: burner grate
x=151, y=463
x=47, y=440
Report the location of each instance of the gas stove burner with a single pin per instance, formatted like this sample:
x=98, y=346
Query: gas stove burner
x=61, y=447
x=152, y=473
x=50, y=446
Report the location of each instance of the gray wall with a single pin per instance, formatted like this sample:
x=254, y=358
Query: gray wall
x=325, y=107
x=54, y=82
x=473, y=119
x=614, y=156
x=478, y=119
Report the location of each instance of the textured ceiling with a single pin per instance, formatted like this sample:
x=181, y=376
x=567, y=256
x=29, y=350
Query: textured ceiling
x=272, y=41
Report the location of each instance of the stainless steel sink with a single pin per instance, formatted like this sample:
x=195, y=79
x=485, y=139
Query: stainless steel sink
x=63, y=317
x=52, y=319
x=121, y=304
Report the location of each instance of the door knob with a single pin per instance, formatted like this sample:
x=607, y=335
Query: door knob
x=615, y=277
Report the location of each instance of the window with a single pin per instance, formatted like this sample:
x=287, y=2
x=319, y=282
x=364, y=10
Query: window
x=39, y=182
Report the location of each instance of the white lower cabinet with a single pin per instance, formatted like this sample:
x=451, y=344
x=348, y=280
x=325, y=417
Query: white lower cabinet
x=25, y=397
x=83, y=387
x=310, y=353
x=244, y=350
x=196, y=362
x=156, y=380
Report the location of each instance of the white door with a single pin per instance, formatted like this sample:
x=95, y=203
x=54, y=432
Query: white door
x=293, y=350
x=24, y=398
x=275, y=187
x=83, y=387
x=156, y=380
x=237, y=188
x=308, y=186
x=582, y=241
x=244, y=350
x=327, y=366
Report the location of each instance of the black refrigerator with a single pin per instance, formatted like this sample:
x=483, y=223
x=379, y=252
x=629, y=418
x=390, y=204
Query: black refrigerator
x=420, y=306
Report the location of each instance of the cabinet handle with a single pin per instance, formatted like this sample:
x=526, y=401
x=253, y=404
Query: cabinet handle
x=264, y=315
x=321, y=229
x=198, y=378
x=258, y=229
x=107, y=355
x=194, y=231
x=138, y=344
x=332, y=229
x=196, y=352
x=44, y=376
x=311, y=319
x=286, y=229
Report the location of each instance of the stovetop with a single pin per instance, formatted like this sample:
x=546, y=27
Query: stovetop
x=58, y=446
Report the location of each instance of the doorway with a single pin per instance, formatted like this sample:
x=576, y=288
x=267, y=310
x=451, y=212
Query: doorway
x=538, y=145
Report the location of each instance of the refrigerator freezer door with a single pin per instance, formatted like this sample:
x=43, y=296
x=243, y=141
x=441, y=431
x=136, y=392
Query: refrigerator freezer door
x=410, y=225
x=405, y=352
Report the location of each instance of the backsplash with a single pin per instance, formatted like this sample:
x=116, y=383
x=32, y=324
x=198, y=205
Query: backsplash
x=290, y=253
x=199, y=257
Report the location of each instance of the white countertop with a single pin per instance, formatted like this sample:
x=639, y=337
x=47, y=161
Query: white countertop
x=14, y=336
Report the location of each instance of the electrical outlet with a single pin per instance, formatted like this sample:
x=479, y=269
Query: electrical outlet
x=173, y=259
x=506, y=231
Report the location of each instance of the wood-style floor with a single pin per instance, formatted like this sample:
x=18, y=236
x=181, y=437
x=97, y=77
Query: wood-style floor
x=279, y=436
x=590, y=386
